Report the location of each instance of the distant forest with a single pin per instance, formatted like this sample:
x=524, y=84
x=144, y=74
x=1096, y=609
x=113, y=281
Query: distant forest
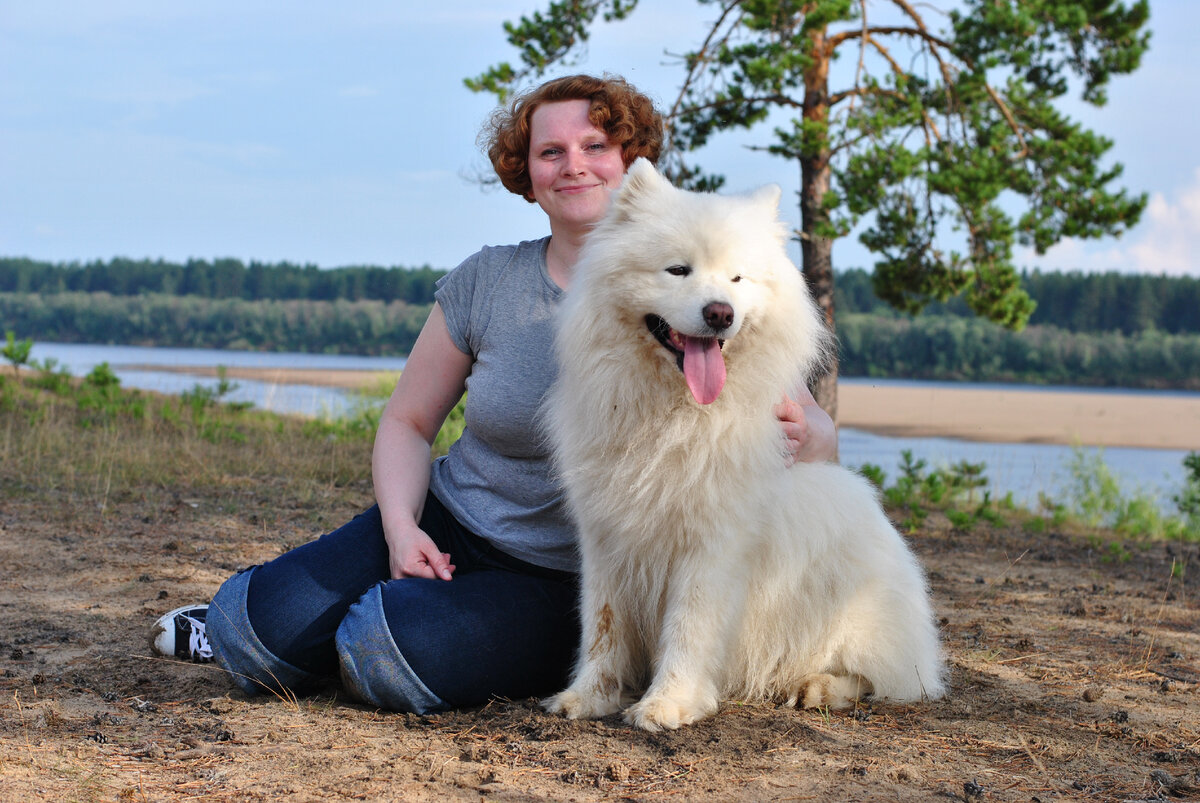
x=1078, y=302
x=221, y=278
x=373, y=328
x=1090, y=329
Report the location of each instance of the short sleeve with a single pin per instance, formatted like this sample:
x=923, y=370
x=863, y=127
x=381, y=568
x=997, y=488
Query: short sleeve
x=456, y=294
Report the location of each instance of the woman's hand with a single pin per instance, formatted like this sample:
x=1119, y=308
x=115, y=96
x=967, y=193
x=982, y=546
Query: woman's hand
x=808, y=431
x=412, y=553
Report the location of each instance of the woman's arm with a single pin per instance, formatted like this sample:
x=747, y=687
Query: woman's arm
x=431, y=383
x=808, y=431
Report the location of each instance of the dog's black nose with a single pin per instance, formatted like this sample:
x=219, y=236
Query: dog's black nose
x=718, y=315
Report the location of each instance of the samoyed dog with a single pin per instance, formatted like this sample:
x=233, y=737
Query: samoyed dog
x=711, y=569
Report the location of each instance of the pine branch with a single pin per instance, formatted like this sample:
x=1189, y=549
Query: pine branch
x=695, y=61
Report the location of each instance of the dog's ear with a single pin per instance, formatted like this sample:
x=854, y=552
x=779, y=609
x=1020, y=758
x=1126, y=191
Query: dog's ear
x=642, y=181
x=768, y=195
x=763, y=204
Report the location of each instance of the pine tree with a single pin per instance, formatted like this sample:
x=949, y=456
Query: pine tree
x=932, y=129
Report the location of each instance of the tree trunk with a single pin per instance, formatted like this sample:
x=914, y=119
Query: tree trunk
x=817, y=250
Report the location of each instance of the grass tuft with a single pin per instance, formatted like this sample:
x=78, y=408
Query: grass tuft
x=957, y=491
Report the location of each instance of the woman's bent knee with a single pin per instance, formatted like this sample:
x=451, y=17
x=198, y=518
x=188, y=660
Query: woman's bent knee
x=372, y=666
x=237, y=648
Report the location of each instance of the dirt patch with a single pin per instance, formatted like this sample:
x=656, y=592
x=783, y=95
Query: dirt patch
x=1072, y=679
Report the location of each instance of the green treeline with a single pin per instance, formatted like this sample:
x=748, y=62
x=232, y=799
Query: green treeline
x=1077, y=302
x=221, y=278
x=951, y=348
x=1106, y=329
x=371, y=327
x=1091, y=329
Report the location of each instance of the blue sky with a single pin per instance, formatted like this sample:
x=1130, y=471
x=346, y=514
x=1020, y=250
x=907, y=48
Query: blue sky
x=341, y=134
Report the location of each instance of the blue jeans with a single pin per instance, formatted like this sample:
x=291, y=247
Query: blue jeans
x=501, y=627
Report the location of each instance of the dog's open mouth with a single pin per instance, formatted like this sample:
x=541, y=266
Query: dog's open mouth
x=699, y=358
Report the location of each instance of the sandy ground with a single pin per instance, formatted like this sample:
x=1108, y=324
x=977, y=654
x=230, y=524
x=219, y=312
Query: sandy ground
x=1148, y=421
x=1073, y=679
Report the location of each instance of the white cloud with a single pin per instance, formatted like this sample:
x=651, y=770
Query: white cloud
x=1170, y=241
x=1167, y=240
x=148, y=90
x=359, y=91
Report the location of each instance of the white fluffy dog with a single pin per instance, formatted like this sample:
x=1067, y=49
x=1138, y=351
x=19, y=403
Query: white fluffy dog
x=711, y=570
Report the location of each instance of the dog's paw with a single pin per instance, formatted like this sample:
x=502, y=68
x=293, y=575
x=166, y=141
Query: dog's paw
x=574, y=705
x=830, y=691
x=664, y=713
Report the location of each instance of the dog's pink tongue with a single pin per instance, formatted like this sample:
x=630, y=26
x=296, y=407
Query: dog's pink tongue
x=703, y=368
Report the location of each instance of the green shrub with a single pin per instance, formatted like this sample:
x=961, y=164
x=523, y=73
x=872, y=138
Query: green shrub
x=952, y=490
x=16, y=351
x=1097, y=499
x=51, y=377
x=1188, y=501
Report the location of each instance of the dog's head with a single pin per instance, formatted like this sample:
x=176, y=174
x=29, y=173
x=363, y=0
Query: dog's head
x=692, y=273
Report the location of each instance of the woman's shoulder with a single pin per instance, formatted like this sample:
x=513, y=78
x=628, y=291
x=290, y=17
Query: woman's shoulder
x=491, y=262
x=500, y=255
x=488, y=279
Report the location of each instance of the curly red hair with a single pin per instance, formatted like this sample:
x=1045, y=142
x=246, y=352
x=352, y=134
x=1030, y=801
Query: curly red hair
x=617, y=108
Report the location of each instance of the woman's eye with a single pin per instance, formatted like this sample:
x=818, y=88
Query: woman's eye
x=679, y=270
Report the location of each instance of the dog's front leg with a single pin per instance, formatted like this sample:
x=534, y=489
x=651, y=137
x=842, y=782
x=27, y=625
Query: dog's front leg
x=704, y=607
x=603, y=667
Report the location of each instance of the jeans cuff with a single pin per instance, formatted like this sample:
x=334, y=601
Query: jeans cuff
x=373, y=668
x=237, y=649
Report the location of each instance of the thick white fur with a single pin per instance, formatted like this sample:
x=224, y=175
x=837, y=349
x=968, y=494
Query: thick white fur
x=710, y=569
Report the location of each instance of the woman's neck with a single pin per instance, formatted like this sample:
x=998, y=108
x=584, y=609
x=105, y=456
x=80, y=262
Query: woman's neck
x=561, y=255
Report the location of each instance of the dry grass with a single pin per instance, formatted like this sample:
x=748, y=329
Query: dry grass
x=161, y=449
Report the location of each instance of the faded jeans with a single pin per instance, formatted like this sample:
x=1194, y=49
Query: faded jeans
x=500, y=627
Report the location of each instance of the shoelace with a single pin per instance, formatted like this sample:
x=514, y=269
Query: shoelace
x=198, y=647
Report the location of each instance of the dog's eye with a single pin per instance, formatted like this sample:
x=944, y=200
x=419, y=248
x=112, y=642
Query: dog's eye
x=679, y=270
x=736, y=279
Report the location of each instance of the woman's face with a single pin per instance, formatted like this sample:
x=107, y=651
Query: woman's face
x=572, y=165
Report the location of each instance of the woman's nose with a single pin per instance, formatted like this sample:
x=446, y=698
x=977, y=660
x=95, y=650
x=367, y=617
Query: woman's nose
x=572, y=164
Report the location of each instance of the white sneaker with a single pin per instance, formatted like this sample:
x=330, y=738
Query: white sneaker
x=180, y=634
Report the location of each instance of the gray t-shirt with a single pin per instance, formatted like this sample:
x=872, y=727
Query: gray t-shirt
x=497, y=480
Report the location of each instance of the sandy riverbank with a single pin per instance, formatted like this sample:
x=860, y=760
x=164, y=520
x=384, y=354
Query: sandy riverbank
x=322, y=377
x=1006, y=416
x=1024, y=416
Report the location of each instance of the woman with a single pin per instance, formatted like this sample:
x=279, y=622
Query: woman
x=460, y=583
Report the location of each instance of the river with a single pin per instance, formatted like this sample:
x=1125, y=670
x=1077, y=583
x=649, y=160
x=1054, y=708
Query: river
x=1024, y=470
